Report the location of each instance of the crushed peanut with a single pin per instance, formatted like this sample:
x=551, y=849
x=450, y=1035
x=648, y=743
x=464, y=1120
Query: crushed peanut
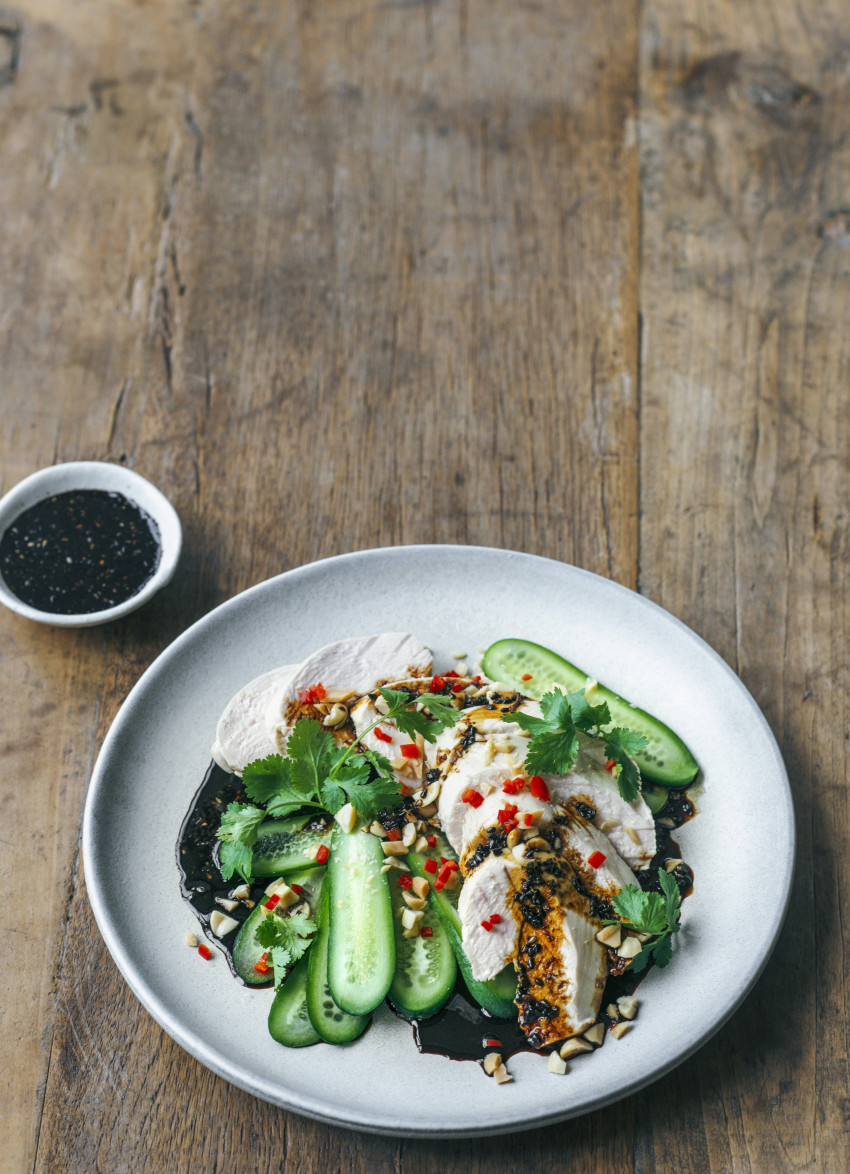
x=630, y=948
x=573, y=1046
x=627, y=1005
x=190, y=939
x=595, y=1034
x=556, y=1064
x=619, y=1029
x=502, y=1076
x=491, y=1062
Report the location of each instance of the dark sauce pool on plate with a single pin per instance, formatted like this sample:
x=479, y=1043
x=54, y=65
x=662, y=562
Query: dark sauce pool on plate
x=79, y=552
x=461, y=1030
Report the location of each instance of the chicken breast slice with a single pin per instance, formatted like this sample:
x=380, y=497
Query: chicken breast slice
x=365, y=711
x=242, y=734
x=547, y=930
x=349, y=667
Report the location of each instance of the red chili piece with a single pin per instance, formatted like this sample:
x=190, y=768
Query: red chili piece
x=538, y=788
x=381, y=736
x=273, y=900
x=394, y=834
x=426, y=932
x=506, y=815
x=431, y=866
x=204, y=951
x=410, y=750
x=322, y=854
x=472, y=797
x=527, y=819
x=527, y=677
x=492, y=1043
x=451, y=673
x=486, y=925
x=596, y=859
x=610, y=764
x=262, y=967
x=432, y=840
x=405, y=881
x=513, y=786
x=495, y=918
x=457, y=688
x=437, y=685
x=313, y=694
x=297, y=889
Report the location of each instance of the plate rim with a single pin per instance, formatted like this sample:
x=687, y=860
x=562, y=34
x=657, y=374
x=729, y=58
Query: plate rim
x=306, y=1105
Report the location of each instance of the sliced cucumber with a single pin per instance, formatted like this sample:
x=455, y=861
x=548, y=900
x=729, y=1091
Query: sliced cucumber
x=654, y=796
x=247, y=951
x=285, y=844
x=289, y=1022
x=497, y=994
x=361, y=951
x=425, y=968
x=666, y=759
x=330, y=1021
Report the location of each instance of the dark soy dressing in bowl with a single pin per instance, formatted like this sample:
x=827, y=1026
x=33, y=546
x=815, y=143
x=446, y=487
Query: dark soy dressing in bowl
x=79, y=552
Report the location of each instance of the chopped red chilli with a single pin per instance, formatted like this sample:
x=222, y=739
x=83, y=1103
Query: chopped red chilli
x=322, y=854
x=313, y=694
x=405, y=881
x=381, y=736
x=426, y=931
x=410, y=750
x=513, y=786
x=262, y=967
x=472, y=797
x=394, y=834
x=437, y=685
x=495, y=918
x=610, y=764
x=273, y=900
x=431, y=866
x=297, y=889
x=538, y=788
x=527, y=677
x=486, y=925
x=596, y=859
x=457, y=688
x=432, y=840
x=204, y=951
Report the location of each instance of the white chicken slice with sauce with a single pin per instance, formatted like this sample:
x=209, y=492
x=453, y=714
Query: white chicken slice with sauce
x=387, y=738
x=242, y=734
x=347, y=669
x=499, y=749
x=545, y=927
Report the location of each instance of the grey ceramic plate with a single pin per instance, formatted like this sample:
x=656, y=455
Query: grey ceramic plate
x=453, y=597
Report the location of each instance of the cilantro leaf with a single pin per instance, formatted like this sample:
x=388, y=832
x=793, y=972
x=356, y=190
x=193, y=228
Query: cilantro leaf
x=332, y=795
x=644, y=911
x=656, y=914
x=621, y=745
x=238, y=833
x=553, y=746
x=441, y=708
x=383, y=766
x=287, y=938
x=311, y=750
x=264, y=777
x=235, y=857
x=588, y=718
x=370, y=798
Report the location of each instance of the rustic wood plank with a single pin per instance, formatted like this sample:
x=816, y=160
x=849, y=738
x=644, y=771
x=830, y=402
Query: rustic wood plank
x=744, y=459
x=399, y=241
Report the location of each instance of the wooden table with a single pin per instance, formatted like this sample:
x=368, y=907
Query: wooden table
x=572, y=278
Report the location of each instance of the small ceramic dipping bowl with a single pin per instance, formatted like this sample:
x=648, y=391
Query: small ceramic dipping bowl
x=107, y=478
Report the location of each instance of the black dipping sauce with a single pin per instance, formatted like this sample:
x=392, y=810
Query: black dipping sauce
x=79, y=552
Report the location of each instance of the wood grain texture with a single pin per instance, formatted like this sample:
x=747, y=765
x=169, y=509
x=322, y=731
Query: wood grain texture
x=744, y=500
x=337, y=275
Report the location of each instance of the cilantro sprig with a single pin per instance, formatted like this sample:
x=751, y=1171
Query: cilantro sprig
x=656, y=914
x=286, y=939
x=318, y=773
x=553, y=746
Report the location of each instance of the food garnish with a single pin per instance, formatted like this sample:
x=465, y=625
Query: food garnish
x=655, y=914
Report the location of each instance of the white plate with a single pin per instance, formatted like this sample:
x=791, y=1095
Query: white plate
x=454, y=598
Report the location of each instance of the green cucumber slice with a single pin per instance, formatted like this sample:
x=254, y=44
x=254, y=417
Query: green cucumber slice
x=425, y=968
x=289, y=1022
x=654, y=796
x=247, y=951
x=361, y=952
x=285, y=844
x=666, y=759
x=496, y=995
x=330, y=1021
